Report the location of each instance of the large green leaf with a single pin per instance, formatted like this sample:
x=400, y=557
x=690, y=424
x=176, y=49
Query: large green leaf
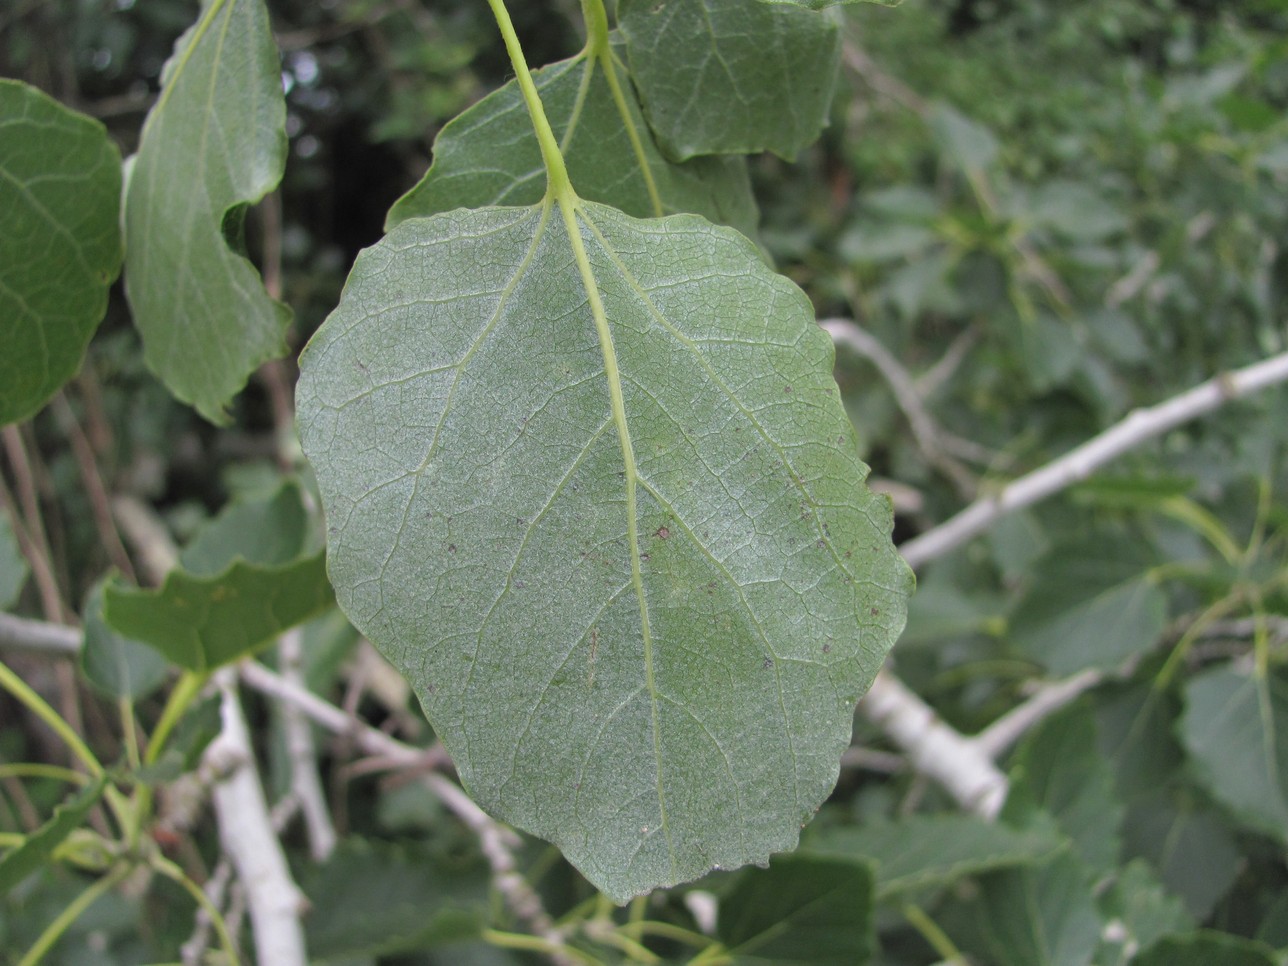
x=60, y=242
x=936, y=850
x=214, y=143
x=1236, y=731
x=1208, y=948
x=731, y=77
x=1139, y=913
x=595, y=495
x=488, y=156
x=804, y=910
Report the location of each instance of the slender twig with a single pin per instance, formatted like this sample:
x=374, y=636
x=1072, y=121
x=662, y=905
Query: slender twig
x=28, y=525
x=153, y=547
x=306, y=785
x=20, y=633
x=928, y=435
x=246, y=832
x=1138, y=427
x=1008, y=729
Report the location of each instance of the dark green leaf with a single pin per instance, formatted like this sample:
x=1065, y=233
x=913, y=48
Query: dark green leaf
x=1235, y=729
x=1208, y=948
x=373, y=899
x=638, y=585
x=20, y=862
x=60, y=242
x=1138, y=912
x=1090, y=606
x=13, y=565
x=214, y=143
x=116, y=665
x=936, y=850
x=1059, y=769
x=489, y=155
x=269, y=532
x=801, y=910
x=1031, y=917
x=201, y=623
x=731, y=77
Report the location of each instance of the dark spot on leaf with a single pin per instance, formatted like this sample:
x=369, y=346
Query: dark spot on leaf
x=451, y=548
x=821, y=544
x=874, y=612
x=827, y=648
x=768, y=663
x=787, y=388
x=848, y=555
x=662, y=533
x=840, y=441
x=519, y=584
x=643, y=556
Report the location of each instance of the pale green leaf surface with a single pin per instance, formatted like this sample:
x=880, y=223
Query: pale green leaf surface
x=935, y=850
x=489, y=156
x=731, y=77
x=1235, y=729
x=60, y=242
x=804, y=910
x=214, y=143
x=201, y=623
x=645, y=648
x=116, y=665
x=13, y=565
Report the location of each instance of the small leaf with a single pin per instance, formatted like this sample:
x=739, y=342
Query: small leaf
x=935, y=850
x=13, y=565
x=20, y=862
x=487, y=156
x=1208, y=948
x=967, y=142
x=251, y=573
x=116, y=665
x=638, y=586
x=214, y=143
x=801, y=911
x=1090, y=606
x=1041, y=916
x=731, y=77
x=1060, y=770
x=60, y=243
x=1138, y=913
x=1235, y=729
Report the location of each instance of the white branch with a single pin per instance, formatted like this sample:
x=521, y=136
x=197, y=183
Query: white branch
x=22, y=634
x=1048, y=699
x=306, y=785
x=1078, y=464
x=246, y=832
x=933, y=748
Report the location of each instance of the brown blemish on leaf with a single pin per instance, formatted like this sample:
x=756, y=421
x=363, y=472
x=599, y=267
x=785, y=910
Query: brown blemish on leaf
x=662, y=532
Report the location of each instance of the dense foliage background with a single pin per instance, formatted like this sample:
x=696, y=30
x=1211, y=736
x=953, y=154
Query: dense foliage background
x=1047, y=213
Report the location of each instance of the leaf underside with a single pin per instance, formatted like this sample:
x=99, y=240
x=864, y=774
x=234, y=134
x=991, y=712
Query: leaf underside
x=487, y=155
x=645, y=645
x=214, y=142
x=60, y=243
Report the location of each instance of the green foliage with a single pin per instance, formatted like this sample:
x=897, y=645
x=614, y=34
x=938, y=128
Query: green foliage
x=13, y=565
x=60, y=243
x=214, y=143
x=36, y=848
x=604, y=627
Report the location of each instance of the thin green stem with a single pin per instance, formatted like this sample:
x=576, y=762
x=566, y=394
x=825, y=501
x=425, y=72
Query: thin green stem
x=185, y=690
x=171, y=871
x=596, y=18
x=930, y=931
x=19, y=689
x=54, y=931
x=557, y=183
x=11, y=840
x=129, y=733
x=31, y=769
x=665, y=930
x=609, y=66
x=518, y=940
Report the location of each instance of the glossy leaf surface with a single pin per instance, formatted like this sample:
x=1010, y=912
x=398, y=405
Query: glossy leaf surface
x=731, y=77
x=214, y=143
x=618, y=541
x=60, y=242
x=488, y=156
